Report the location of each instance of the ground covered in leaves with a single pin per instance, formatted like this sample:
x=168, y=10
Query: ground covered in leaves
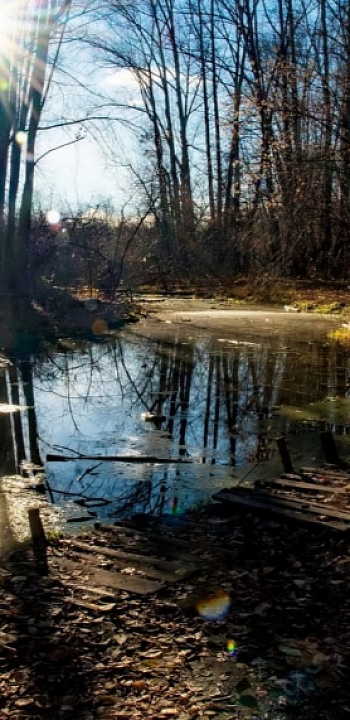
x=261, y=632
x=304, y=295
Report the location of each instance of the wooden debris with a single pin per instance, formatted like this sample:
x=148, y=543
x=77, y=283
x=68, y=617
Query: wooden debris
x=132, y=583
x=135, y=563
x=327, y=474
x=319, y=496
x=266, y=504
x=307, y=487
x=161, y=569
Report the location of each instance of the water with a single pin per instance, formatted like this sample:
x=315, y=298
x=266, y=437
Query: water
x=216, y=399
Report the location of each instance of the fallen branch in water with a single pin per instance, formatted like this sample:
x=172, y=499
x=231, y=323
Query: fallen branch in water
x=117, y=458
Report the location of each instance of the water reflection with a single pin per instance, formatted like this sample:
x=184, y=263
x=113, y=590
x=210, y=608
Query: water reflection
x=217, y=403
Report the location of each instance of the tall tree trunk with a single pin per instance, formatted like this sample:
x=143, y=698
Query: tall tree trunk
x=206, y=111
x=187, y=217
x=326, y=211
x=215, y=88
x=19, y=271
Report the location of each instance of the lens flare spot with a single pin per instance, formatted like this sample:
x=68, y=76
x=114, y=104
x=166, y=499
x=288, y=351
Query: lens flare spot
x=99, y=327
x=53, y=217
x=232, y=648
x=215, y=607
x=20, y=138
x=174, y=506
x=4, y=84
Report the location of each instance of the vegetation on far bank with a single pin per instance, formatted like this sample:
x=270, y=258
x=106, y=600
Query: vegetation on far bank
x=316, y=295
x=90, y=276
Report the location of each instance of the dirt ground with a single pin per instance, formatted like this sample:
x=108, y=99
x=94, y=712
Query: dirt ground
x=261, y=632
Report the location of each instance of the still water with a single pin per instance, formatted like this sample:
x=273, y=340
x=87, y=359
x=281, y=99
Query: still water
x=214, y=399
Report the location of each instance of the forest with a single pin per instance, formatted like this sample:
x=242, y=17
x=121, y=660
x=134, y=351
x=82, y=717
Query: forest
x=240, y=112
x=165, y=507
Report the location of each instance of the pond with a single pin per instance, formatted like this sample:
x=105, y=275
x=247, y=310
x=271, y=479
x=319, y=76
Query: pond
x=190, y=409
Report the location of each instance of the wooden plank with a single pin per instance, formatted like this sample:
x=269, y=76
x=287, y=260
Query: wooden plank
x=159, y=569
x=305, y=487
x=326, y=469
x=157, y=543
x=117, y=581
x=329, y=472
x=251, y=503
x=130, y=583
x=307, y=507
x=304, y=505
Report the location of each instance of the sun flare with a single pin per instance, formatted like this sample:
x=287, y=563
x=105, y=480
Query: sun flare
x=14, y=19
x=8, y=20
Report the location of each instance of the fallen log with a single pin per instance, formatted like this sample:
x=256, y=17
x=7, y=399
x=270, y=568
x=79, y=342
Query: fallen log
x=117, y=458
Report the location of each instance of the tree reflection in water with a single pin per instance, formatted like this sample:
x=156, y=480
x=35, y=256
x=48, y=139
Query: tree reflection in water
x=204, y=400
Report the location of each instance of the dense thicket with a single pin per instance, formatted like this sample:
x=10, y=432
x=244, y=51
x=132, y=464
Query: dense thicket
x=245, y=115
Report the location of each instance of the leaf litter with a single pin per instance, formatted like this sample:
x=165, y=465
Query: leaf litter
x=278, y=650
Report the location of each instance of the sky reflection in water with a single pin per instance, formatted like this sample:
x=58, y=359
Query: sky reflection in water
x=216, y=403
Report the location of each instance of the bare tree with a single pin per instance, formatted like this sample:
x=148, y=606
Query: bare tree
x=29, y=55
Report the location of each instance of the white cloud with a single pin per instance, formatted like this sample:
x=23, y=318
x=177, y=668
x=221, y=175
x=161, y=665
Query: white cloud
x=121, y=78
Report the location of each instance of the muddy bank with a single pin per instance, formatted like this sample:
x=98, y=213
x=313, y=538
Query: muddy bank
x=224, y=318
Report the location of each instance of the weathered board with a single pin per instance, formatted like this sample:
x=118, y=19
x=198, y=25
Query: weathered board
x=250, y=500
x=95, y=577
x=165, y=570
x=136, y=562
x=301, y=486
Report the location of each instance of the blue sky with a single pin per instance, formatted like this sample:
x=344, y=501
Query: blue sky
x=95, y=168
x=79, y=175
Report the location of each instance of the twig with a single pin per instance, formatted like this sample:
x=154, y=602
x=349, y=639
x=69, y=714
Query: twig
x=248, y=473
x=86, y=472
